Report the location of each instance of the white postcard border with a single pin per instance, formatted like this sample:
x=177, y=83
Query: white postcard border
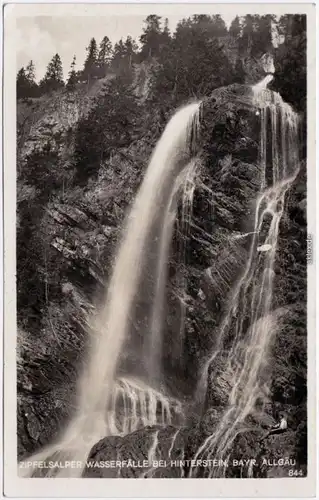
x=196, y=488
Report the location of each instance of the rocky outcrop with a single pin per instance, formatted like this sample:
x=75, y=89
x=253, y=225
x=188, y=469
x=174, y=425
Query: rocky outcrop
x=51, y=118
x=137, y=452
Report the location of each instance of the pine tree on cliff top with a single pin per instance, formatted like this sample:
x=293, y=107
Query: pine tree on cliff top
x=119, y=54
x=72, y=80
x=124, y=55
x=90, y=69
x=235, y=27
x=105, y=56
x=166, y=34
x=22, y=84
x=26, y=83
x=131, y=49
x=30, y=72
x=218, y=26
x=53, y=78
x=151, y=36
x=246, y=39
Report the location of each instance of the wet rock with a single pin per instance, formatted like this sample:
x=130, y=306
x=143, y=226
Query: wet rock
x=137, y=453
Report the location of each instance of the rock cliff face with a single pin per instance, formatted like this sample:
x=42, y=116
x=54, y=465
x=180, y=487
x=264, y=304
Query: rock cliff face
x=47, y=119
x=79, y=232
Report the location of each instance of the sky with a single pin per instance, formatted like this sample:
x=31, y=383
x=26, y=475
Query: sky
x=40, y=37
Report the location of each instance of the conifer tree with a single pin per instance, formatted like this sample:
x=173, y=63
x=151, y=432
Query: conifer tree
x=262, y=37
x=284, y=26
x=124, y=56
x=246, y=39
x=26, y=83
x=150, y=39
x=30, y=72
x=108, y=126
x=119, y=54
x=166, y=35
x=291, y=60
x=200, y=20
x=90, y=69
x=166, y=27
x=53, y=78
x=104, y=56
x=235, y=28
x=119, y=49
x=164, y=40
x=219, y=26
x=22, y=84
x=72, y=80
x=195, y=72
x=130, y=50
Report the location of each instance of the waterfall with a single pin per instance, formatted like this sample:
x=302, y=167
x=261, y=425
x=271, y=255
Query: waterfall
x=135, y=405
x=249, y=321
x=99, y=391
x=180, y=189
x=111, y=325
x=188, y=190
x=267, y=61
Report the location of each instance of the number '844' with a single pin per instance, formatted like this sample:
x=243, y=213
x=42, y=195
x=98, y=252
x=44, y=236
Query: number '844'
x=295, y=473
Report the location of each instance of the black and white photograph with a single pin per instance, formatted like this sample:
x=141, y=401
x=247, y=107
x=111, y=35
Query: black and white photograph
x=162, y=244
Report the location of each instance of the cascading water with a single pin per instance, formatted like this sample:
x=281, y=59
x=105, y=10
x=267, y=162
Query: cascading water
x=151, y=456
x=136, y=405
x=250, y=322
x=99, y=391
x=188, y=189
x=183, y=187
